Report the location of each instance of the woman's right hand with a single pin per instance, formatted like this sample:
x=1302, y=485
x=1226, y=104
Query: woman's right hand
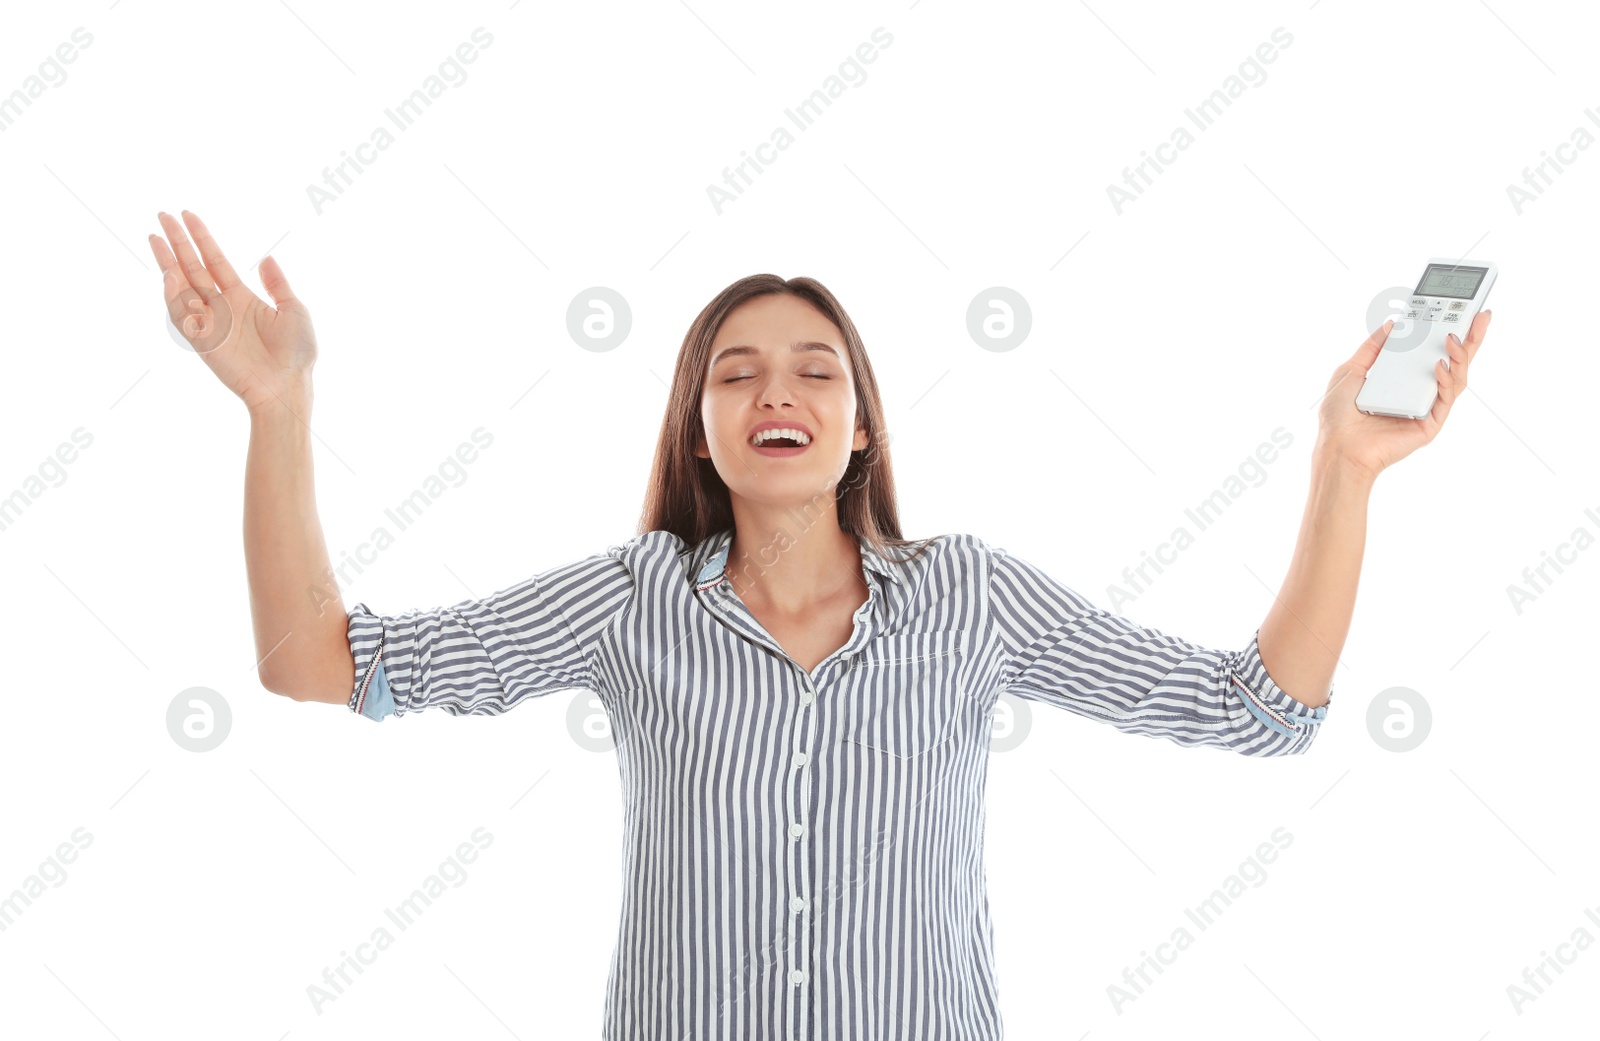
x=261, y=353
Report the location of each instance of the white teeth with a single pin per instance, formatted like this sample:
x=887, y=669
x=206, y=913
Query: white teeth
x=789, y=432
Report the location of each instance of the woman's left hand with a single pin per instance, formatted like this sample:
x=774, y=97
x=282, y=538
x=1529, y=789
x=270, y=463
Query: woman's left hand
x=1368, y=443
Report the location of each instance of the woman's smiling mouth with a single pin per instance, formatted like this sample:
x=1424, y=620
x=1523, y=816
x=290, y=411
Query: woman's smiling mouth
x=778, y=439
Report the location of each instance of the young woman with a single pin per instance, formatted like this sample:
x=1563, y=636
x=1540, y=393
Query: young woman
x=801, y=699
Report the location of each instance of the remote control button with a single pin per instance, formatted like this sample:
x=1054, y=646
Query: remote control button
x=1452, y=317
x=1458, y=305
x=1414, y=314
x=1419, y=301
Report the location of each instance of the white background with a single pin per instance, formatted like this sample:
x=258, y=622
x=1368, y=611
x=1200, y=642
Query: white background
x=1167, y=343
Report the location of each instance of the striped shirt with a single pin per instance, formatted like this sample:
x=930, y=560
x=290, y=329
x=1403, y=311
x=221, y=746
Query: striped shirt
x=803, y=851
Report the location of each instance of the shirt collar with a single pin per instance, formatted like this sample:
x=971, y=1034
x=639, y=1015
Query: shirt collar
x=714, y=553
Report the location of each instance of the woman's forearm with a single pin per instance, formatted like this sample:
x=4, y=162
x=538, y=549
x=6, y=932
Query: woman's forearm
x=1304, y=632
x=299, y=618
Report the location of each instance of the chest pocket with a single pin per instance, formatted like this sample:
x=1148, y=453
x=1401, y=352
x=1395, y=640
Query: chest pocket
x=904, y=695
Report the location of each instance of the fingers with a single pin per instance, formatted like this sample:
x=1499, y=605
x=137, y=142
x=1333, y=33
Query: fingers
x=1367, y=353
x=1452, y=381
x=1447, y=384
x=277, y=286
x=172, y=277
x=216, y=263
x=1441, y=404
x=1480, y=325
x=1457, y=370
x=182, y=299
x=193, y=270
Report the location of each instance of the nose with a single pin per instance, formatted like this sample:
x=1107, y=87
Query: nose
x=776, y=391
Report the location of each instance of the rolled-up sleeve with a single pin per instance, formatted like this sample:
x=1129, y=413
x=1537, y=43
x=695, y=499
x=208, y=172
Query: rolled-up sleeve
x=483, y=656
x=1061, y=650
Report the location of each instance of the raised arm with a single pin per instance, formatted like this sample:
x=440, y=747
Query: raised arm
x=1304, y=632
x=1270, y=697
x=299, y=618
x=265, y=355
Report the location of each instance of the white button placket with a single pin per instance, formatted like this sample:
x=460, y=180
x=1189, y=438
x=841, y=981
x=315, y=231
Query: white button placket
x=798, y=778
x=798, y=799
x=801, y=846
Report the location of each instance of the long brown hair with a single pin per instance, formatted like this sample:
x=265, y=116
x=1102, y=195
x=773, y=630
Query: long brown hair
x=687, y=497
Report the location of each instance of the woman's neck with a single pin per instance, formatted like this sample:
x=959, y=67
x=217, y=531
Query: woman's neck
x=791, y=566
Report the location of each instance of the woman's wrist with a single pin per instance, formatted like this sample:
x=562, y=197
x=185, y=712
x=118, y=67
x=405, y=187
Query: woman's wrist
x=291, y=401
x=1330, y=463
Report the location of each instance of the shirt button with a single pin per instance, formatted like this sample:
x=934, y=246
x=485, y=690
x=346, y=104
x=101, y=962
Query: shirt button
x=805, y=697
x=797, y=904
x=797, y=830
x=799, y=759
x=798, y=975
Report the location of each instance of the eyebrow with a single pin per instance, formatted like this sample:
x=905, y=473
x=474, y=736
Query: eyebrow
x=742, y=349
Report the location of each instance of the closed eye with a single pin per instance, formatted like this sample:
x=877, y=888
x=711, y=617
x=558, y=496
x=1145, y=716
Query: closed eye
x=808, y=375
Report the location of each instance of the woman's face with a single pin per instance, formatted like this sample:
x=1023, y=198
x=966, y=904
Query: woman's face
x=756, y=379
